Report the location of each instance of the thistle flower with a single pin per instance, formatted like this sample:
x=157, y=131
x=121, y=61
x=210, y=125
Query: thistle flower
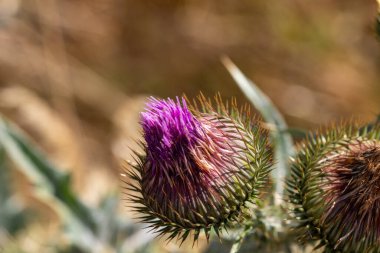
x=200, y=168
x=335, y=189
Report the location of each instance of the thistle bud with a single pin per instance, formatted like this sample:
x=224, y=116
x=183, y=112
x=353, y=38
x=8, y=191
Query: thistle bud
x=335, y=189
x=200, y=168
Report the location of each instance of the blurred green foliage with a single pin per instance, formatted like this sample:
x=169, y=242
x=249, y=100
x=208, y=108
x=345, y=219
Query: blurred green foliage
x=13, y=215
x=89, y=229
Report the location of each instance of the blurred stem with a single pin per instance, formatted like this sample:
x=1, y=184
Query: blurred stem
x=239, y=240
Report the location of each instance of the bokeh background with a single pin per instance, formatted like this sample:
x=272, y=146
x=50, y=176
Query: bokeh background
x=74, y=75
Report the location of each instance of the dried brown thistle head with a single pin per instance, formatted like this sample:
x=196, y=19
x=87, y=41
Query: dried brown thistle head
x=334, y=188
x=352, y=190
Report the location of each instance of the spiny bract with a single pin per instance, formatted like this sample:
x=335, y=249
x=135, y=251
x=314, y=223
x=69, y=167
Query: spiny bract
x=201, y=167
x=334, y=187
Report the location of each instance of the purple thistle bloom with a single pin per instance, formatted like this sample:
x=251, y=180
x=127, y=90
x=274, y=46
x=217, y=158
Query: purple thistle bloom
x=184, y=155
x=198, y=171
x=168, y=127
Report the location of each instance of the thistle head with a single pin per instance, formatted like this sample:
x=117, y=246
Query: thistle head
x=335, y=186
x=200, y=168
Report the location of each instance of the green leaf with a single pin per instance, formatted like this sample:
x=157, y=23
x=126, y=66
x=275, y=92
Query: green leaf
x=51, y=186
x=282, y=140
x=13, y=214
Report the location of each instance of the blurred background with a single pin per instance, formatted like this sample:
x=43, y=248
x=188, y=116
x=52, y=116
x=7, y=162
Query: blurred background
x=74, y=75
